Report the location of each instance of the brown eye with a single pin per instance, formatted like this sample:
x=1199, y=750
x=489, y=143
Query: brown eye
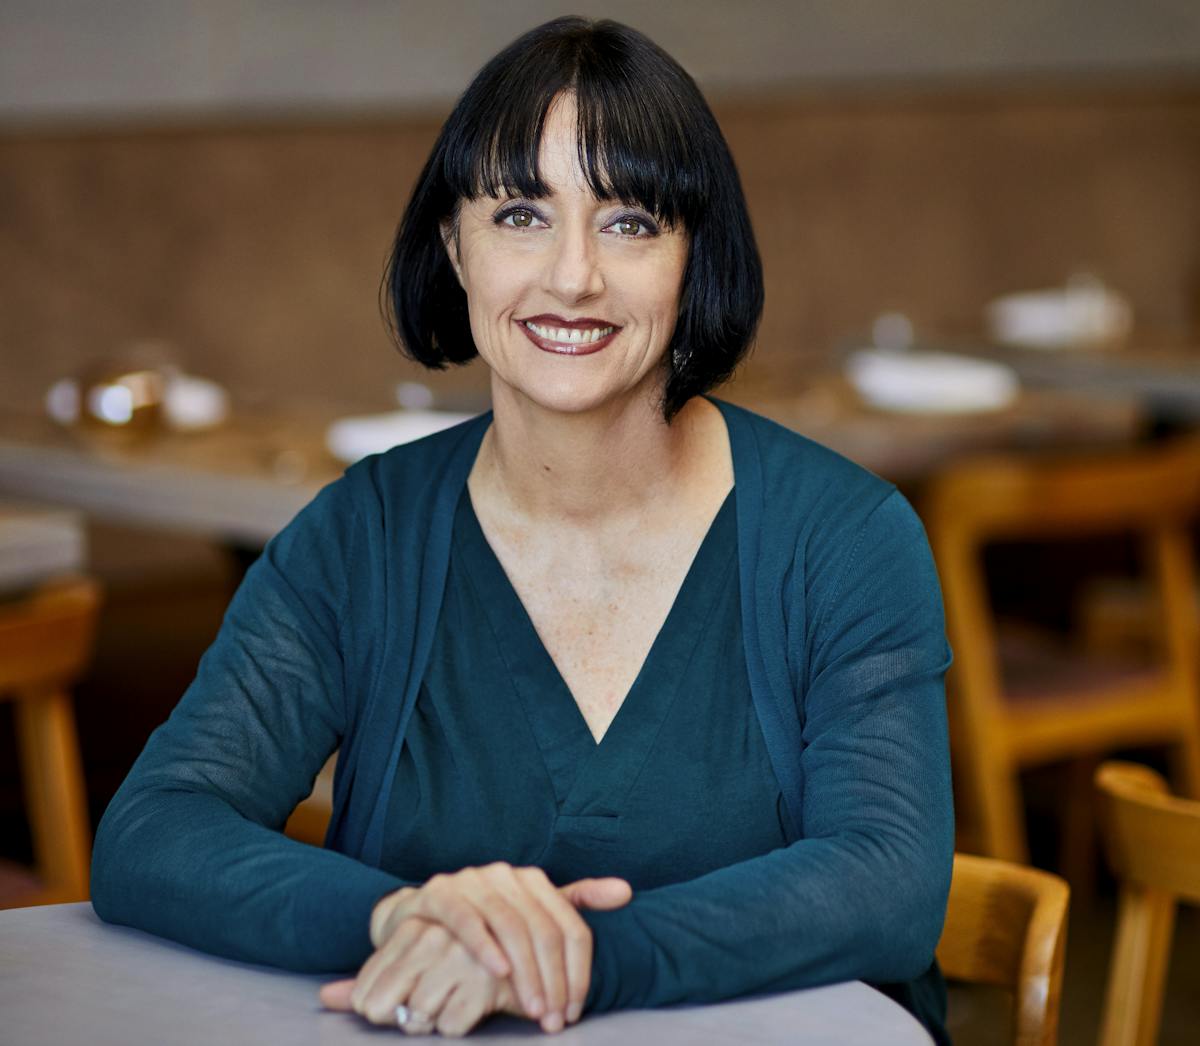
x=521, y=219
x=629, y=226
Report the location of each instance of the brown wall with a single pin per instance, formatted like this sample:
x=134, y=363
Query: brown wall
x=258, y=249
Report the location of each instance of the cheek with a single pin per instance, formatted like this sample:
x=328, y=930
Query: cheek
x=493, y=290
x=659, y=290
x=665, y=281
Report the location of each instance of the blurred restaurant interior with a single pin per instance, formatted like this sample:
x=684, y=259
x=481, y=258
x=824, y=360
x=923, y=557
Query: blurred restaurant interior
x=980, y=230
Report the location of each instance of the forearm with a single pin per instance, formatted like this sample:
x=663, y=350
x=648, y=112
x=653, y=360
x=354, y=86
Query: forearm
x=187, y=866
x=814, y=913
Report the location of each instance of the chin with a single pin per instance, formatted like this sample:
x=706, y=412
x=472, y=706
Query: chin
x=577, y=386
x=575, y=397
x=569, y=401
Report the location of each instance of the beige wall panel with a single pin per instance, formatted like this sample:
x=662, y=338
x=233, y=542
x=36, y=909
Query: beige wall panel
x=258, y=250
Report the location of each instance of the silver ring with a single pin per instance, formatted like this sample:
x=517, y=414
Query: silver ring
x=406, y=1017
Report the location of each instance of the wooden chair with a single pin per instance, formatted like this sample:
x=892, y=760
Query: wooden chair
x=1006, y=926
x=309, y=821
x=1064, y=709
x=1153, y=844
x=1118, y=614
x=45, y=642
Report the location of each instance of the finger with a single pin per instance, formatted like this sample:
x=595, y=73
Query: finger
x=465, y=1007
x=598, y=894
x=434, y=985
x=394, y=983
x=336, y=995
x=536, y=897
x=394, y=948
x=511, y=929
x=416, y=1022
x=544, y=993
x=465, y=920
x=577, y=950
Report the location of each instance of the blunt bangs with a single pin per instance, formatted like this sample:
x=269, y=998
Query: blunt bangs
x=633, y=144
x=645, y=136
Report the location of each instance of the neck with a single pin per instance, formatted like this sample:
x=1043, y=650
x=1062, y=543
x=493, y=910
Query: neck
x=583, y=468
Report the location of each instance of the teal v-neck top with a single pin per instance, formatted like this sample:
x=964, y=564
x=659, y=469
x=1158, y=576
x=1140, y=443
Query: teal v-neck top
x=327, y=645
x=499, y=765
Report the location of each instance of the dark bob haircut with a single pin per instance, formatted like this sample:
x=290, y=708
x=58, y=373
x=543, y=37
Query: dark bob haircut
x=646, y=137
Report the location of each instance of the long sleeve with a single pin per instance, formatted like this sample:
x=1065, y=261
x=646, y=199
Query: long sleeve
x=190, y=847
x=862, y=894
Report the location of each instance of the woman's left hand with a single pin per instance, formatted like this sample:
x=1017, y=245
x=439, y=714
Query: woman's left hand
x=423, y=967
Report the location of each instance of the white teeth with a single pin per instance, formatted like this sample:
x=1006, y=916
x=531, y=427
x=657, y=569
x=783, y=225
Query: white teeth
x=569, y=336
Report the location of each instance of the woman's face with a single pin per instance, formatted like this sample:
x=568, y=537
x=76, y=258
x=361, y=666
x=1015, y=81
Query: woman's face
x=572, y=300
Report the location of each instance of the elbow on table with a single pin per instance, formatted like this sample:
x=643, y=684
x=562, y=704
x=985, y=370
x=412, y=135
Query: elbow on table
x=900, y=926
x=909, y=939
x=105, y=901
x=116, y=893
x=106, y=878
x=905, y=952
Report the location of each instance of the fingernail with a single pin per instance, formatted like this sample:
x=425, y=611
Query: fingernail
x=535, y=1006
x=553, y=1023
x=574, y=1012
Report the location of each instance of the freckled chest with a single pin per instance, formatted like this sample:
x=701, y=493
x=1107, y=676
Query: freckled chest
x=597, y=605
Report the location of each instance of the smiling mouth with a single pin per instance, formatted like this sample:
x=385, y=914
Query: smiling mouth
x=579, y=339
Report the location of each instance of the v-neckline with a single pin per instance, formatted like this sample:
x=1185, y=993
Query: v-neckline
x=558, y=724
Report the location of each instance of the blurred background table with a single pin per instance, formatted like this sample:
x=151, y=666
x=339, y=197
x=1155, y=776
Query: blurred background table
x=67, y=977
x=1163, y=375
x=241, y=483
x=909, y=448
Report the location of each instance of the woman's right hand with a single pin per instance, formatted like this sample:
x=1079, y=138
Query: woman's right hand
x=427, y=970
x=518, y=924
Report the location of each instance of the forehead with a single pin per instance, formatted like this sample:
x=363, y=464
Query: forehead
x=559, y=162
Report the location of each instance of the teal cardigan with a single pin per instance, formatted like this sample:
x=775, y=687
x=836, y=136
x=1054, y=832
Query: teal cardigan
x=326, y=643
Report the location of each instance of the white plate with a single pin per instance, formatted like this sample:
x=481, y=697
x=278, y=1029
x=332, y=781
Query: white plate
x=930, y=382
x=350, y=439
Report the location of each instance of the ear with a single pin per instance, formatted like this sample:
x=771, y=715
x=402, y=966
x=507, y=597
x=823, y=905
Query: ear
x=449, y=230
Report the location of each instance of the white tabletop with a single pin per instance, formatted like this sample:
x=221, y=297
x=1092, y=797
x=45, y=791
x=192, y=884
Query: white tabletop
x=37, y=543
x=66, y=977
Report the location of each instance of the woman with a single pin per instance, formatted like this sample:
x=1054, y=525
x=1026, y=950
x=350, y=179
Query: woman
x=638, y=696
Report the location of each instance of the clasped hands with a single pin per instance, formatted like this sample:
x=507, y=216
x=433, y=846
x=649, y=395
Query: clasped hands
x=494, y=939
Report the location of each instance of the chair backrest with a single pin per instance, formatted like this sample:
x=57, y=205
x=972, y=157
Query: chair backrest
x=1153, y=844
x=1006, y=926
x=997, y=497
x=46, y=638
x=1152, y=494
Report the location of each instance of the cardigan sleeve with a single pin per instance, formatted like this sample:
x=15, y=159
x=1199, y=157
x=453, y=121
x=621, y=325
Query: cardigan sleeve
x=191, y=846
x=862, y=894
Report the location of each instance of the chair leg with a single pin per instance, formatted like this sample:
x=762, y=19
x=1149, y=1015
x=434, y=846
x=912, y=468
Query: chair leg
x=996, y=800
x=1078, y=844
x=1137, y=974
x=53, y=777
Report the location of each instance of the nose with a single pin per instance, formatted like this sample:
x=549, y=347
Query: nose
x=574, y=272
